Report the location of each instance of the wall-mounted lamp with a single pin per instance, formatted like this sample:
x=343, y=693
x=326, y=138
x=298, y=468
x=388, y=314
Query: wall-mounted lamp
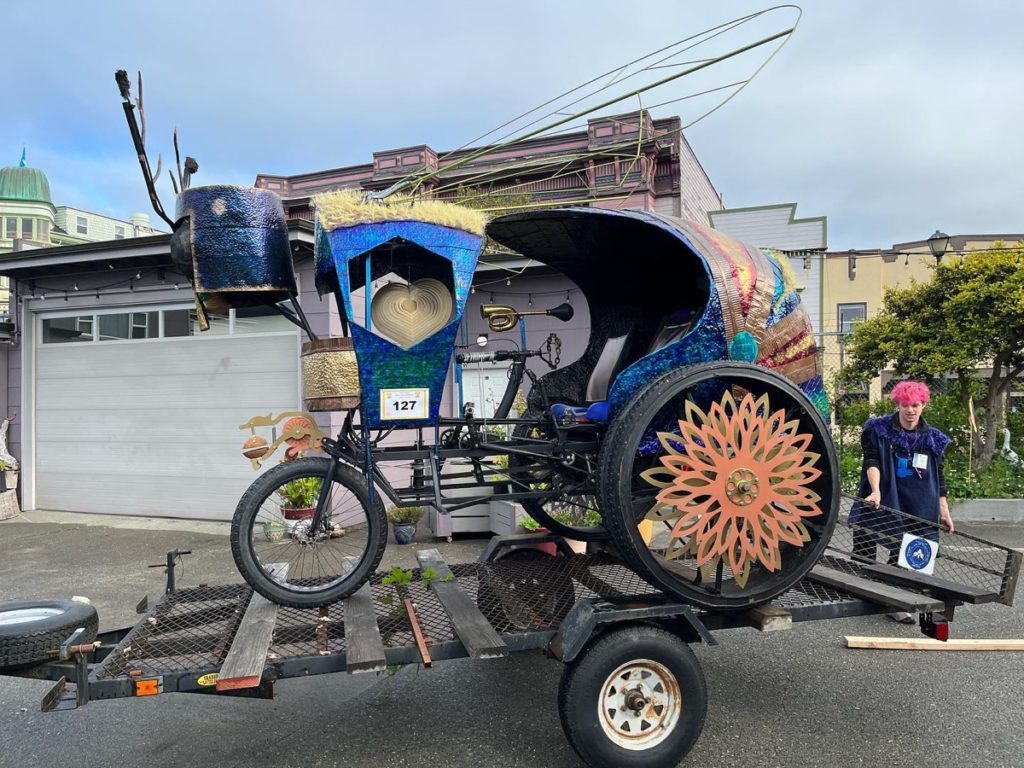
x=851, y=265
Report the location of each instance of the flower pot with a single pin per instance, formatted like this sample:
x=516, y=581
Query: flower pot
x=405, y=533
x=274, y=530
x=10, y=479
x=298, y=513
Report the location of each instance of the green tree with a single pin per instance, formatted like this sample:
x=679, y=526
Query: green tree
x=969, y=316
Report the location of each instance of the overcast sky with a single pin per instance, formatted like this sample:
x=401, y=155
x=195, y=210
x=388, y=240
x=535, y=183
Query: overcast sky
x=892, y=119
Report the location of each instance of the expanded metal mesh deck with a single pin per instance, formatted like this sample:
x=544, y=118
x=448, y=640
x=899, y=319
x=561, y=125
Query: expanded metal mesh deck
x=875, y=537
x=191, y=629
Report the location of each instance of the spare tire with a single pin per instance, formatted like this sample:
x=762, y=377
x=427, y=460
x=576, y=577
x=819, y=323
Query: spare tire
x=32, y=631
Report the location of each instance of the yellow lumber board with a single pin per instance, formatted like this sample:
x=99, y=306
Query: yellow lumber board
x=927, y=644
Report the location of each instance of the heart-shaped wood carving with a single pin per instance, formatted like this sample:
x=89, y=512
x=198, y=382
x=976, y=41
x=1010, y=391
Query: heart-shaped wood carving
x=407, y=314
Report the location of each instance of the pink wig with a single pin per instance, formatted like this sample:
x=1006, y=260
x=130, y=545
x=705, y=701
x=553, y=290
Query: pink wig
x=907, y=392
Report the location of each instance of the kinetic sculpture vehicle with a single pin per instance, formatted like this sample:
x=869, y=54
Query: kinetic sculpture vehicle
x=693, y=425
x=693, y=422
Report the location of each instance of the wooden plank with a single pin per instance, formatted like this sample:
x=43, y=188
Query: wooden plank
x=770, y=618
x=472, y=627
x=364, y=649
x=417, y=632
x=927, y=644
x=243, y=665
x=943, y=587
x=874, y=591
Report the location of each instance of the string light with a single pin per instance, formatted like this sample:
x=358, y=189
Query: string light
x=529, y=301
x=76, y=286
x=508, y=281
x=472, y=289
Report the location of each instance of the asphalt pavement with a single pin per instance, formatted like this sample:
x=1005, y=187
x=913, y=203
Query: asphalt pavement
x=788, y=699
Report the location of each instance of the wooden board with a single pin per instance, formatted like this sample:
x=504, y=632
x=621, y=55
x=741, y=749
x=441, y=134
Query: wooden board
x=927, y=644
x=364, y=649
x=875, y=591
x=472, y=627
x=770, y=618
x=243, y=665
x=944, y=587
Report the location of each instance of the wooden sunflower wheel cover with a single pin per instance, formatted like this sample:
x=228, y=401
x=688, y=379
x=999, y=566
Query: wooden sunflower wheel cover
x=740, y=487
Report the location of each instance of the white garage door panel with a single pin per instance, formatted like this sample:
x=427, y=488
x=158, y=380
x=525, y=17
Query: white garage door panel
x=165, y=426
x=209, y=499
x=221, y=390
x=151, y=428
x=73, y=361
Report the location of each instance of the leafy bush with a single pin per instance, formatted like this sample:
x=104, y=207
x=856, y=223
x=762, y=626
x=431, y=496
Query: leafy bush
x=403, y=515
x=300, y=493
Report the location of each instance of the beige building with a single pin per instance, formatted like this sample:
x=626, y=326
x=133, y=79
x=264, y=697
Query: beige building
x=854, y=283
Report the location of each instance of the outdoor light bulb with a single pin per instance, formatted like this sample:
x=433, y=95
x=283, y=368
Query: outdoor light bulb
x=42, y=295
x=529, y=301
x=508, y=281
x=472, y=289
x=138, y=275
x=481, y=340
x=76, y=286
x=175, y=286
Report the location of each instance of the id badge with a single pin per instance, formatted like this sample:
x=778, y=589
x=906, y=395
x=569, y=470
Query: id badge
x=920, y=461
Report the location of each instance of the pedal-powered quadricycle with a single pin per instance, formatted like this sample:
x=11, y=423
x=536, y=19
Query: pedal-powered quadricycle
x=692, y=424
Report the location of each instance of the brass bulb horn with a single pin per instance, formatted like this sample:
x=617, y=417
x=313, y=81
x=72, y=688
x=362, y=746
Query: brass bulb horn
x=501, y=317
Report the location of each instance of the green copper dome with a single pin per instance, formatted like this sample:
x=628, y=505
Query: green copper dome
x=24, y=183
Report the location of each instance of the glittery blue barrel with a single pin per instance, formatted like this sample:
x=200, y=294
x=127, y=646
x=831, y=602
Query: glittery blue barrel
x=382, y=363
x=234, y=241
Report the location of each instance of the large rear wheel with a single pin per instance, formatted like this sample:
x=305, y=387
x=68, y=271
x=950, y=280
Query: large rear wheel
x=719, y=483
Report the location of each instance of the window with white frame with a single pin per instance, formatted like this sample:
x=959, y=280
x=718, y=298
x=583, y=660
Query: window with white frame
x=81, y=225
x=118, y=232
x=11, y=231
x=850, y=315
x=26, y=229
x=174, y=322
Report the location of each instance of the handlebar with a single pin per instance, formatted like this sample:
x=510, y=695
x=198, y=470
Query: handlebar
x=498, y=356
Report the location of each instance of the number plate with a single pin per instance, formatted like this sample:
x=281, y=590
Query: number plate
x=404, y=403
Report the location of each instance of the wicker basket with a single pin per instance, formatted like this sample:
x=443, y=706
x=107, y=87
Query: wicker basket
x=330, y=375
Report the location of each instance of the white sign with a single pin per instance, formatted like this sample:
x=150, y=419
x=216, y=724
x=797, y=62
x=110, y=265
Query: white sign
x=918, y=554
x=404, y=404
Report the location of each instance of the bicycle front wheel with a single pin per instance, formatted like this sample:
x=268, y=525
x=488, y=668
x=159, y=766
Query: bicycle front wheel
x=280, y=554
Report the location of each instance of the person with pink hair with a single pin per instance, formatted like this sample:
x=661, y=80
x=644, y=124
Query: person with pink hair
x=902, y=471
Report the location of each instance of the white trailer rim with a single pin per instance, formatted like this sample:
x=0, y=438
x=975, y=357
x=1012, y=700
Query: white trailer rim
x=26, y=615
x=640, y=704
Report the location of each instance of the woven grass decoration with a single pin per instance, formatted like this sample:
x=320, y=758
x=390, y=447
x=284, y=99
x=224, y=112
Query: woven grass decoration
x=346, y=208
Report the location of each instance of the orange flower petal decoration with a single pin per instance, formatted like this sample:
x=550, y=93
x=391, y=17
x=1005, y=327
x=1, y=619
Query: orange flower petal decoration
x=735, y=485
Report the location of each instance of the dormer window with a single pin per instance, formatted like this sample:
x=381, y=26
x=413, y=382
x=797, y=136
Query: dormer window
x=81, y=225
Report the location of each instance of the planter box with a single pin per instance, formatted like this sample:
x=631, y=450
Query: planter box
x=9, y=505
x=987, y=511
x=505, y=517
x=473, y=519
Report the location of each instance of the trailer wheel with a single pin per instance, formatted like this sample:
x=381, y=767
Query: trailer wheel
x=635, y=697
x=32, y=631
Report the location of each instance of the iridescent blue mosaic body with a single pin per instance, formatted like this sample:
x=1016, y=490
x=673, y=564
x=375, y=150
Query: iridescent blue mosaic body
x=382, y=363
x=239, y=239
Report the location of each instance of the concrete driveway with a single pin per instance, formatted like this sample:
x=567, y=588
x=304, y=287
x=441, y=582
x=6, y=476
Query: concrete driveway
x=791, y=699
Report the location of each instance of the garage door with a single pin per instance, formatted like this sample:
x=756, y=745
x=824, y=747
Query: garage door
x=135, y=415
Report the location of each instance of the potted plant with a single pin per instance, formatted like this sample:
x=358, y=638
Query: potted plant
x=403, y=522
x=299, y=498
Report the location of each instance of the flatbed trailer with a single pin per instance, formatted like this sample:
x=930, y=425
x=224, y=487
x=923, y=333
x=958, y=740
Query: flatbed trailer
x=604, y=622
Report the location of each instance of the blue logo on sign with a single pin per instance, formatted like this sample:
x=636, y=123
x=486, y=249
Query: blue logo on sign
x=919, y=554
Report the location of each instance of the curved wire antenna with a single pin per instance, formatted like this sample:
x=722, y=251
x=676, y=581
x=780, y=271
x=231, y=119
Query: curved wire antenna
x=567, y=112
